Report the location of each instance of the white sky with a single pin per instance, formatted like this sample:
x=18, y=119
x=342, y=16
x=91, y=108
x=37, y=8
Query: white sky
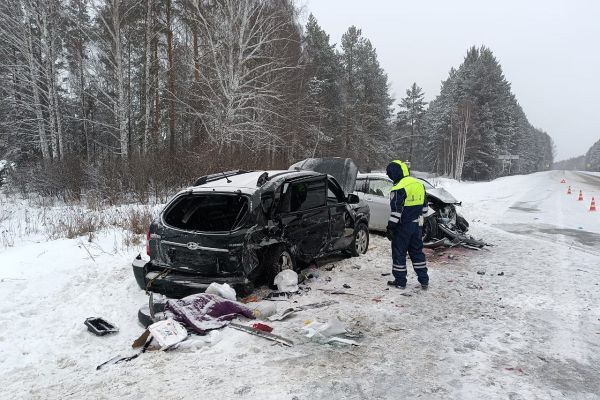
x=549, y=50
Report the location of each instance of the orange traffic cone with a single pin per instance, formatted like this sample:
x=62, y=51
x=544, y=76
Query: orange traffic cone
x=580, y=196
x=563, y=181
x=569, y=190
x=593, y=205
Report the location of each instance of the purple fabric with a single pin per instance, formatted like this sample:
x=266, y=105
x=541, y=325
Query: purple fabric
x=203, y=312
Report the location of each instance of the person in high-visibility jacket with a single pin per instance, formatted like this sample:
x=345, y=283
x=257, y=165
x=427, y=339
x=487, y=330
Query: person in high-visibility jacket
x=408, y=203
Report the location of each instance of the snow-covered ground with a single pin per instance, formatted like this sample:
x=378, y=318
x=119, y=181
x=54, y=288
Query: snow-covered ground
x=532, y=332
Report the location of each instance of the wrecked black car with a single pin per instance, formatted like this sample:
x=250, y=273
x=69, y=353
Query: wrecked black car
x=241, y=227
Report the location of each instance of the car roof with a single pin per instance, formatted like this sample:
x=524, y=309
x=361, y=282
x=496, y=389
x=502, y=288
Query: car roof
x=246, y=182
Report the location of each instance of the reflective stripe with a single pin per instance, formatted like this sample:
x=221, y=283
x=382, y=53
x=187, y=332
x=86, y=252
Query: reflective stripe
x=394, y=219
x=400, y=268
x=397, y=214
x=417, y=264
x=419, y=267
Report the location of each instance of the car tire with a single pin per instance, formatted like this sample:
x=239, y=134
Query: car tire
x=430, y=229
x=277, y=259
x=360, y=243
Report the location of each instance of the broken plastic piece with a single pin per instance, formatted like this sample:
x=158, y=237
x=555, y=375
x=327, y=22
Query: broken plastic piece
x=99, y=326
x=262, y=327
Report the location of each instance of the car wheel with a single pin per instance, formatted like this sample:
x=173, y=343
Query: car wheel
x=360, y=244
x=430, y=229
x=276, y=260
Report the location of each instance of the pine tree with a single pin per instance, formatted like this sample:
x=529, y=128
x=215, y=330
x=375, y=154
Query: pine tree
x=409, y=125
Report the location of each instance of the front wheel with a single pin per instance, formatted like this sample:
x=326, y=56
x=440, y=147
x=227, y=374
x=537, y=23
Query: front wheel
x=360, y=243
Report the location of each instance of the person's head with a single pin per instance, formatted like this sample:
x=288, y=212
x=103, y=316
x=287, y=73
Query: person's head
x=397, y=170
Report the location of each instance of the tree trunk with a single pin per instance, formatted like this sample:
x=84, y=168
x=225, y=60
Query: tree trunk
x=171, y=80
x=39, y=115
x=147, y=63
x=120, y=111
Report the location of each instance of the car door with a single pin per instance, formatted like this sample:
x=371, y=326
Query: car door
x=378, y=198
x=341, y=229
x=305, y=216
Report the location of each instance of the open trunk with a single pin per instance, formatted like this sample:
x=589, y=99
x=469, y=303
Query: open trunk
x=202, y=233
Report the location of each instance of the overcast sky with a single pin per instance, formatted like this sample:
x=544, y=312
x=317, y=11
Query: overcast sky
x=549, y=50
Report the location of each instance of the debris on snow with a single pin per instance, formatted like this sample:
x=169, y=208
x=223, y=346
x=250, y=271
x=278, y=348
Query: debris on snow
x=99, y=326
x=168, y=333
x=203, y=312
x=223, y=290
x=287, y=281
x=264, y=335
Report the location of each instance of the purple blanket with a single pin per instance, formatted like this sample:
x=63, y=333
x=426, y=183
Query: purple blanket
x=203, y=312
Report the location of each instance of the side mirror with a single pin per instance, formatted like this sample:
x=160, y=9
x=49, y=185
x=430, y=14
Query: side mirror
x=353, y=199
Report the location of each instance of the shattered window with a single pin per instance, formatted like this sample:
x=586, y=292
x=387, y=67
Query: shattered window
x=380, y=187
x=361, y=185
x=305, y=195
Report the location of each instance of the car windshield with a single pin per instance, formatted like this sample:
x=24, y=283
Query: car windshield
x=427, y=184
x=207, y=212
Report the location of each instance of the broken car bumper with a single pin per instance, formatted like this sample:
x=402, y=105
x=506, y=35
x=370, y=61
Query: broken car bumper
x=176, y=284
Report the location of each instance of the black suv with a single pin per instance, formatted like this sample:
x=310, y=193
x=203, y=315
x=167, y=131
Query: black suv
x=239, y=226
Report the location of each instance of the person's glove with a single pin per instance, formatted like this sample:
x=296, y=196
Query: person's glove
x=389, y=234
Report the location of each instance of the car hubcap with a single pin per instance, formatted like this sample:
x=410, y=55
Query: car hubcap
x=361, y=241
x=285, y=261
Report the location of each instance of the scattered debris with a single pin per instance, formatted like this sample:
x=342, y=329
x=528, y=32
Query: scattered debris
x=330, y=268
x=376, y=300
x=473, y=286
x=386, y=274
x=264, y=335
x=278, y=296
x=289, y=311
x=262, y=327
x=451, y=256
x=168, y=333
x=250, y=299
x=480, y=272
x=308, y=273
x=346, y=286
x=501, y=274
x=223, y=290
x=287, y=281
x=263, y=310
x=118, y=359
x=342, y=340
x=203, y=312
x=99, y=326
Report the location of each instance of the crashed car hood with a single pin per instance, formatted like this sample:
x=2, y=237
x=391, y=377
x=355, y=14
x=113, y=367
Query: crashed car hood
x=442, y=195
x=342, y=169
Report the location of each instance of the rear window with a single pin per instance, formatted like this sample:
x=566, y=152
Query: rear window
x=208, y=212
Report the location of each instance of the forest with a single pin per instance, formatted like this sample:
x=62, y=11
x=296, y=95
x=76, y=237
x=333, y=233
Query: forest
x=131, y=98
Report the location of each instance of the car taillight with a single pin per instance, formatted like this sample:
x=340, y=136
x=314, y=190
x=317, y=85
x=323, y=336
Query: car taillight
x=148, y=242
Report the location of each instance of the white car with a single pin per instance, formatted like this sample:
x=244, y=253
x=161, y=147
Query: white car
x=374, y=188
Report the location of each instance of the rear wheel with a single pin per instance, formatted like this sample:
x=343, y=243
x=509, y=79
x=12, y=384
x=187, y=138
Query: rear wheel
x=277, y=259
x=360, y=244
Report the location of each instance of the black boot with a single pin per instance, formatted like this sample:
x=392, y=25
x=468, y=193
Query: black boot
x=396, y=284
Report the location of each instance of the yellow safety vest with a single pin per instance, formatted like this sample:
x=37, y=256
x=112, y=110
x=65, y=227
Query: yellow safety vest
x=415, y=191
